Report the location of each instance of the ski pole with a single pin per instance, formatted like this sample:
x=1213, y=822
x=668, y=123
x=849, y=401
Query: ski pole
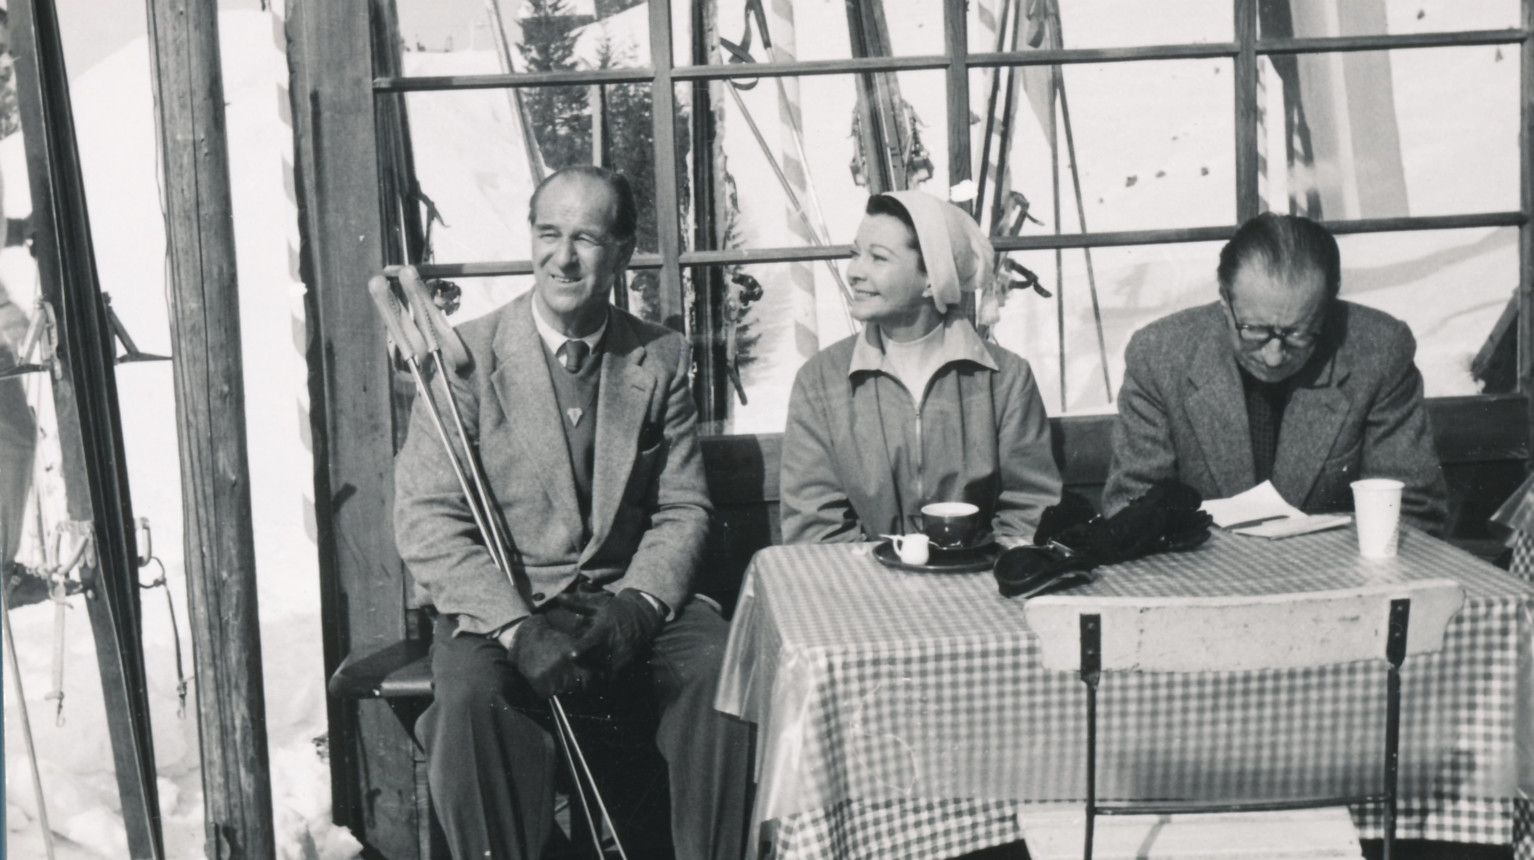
x=26, y=722
x=409, y=337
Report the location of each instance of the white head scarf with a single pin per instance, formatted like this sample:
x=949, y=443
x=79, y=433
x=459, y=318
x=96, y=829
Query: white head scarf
x=958, y=256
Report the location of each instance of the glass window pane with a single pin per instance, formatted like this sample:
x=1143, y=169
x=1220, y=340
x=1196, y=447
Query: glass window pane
x=1450, y=286
x=471, y=297
x=1317, y=18
x=1134, y=285
x=1382, y=134
x=817, y=30
x=787, y=189
x=1100, y=23
x=489, y=37
x=476, y=175
x=1179, y=172
x=773, y=328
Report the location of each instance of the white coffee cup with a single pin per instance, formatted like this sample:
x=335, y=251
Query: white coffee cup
x=1377, y=510
x=913, y=549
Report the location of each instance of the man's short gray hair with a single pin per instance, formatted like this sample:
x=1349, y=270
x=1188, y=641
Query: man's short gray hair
x=625, y=216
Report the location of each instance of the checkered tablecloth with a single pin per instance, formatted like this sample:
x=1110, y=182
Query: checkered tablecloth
x=907, y=714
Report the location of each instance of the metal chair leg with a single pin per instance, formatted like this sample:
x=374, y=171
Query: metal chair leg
x=1395, y=654
x=1091, y=672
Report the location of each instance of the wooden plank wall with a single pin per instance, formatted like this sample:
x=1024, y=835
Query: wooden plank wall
x=352, y=423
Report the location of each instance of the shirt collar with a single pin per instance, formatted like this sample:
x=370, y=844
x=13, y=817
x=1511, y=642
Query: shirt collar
x=553, y=339
x=960, y=343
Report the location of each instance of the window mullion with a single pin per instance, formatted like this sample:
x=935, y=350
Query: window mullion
x=956, y=46
x=667, y=233
x=1526, y=231
x=1247, y=202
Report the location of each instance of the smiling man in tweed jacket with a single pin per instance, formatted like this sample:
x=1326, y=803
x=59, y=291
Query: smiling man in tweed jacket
x=586, y=429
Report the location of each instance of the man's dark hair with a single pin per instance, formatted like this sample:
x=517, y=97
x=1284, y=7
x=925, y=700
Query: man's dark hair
x=1287, y=246
x=625, y=216
x=883, y=204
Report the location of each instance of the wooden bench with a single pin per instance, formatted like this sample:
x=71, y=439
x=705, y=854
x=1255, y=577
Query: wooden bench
x=1482, y=442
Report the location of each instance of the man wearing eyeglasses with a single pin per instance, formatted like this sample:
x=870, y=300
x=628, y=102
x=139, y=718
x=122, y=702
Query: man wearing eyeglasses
x=1278, y=380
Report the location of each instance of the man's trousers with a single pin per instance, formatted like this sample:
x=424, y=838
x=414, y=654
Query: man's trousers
x=492, y=760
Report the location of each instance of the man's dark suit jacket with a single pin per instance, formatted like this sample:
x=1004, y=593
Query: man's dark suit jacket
x=650, y=508
x=1356, y=411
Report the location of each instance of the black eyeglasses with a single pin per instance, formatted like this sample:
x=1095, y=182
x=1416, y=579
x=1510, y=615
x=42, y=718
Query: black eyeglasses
x=1258, y=336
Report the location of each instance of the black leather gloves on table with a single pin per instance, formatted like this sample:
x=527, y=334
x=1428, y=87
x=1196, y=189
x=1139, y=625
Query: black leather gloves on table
x=1071, y=541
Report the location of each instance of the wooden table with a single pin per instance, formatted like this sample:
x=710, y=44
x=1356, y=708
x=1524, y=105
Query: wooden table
x=906, y=714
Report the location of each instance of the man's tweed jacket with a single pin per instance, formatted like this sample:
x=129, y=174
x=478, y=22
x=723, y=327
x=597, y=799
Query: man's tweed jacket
x=650, y=509
x=1356, y=411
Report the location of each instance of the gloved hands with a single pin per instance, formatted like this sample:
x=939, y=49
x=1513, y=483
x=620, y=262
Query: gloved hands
x=572, y=612
x=1072, y=510
x=622, y=628
x=1165, y=518
x=1071, y=541
x=547, y=657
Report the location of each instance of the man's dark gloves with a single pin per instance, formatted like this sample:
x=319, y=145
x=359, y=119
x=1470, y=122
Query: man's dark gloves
x=1166, y=518
x=1070, y=541
x=1071, y=511
x=622, y=629
x=573, y=611
x=546, y=657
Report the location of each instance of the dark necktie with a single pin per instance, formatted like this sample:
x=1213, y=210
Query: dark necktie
x=575, y=352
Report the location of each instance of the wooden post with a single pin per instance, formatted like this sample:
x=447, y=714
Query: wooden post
x=1526, y=203
x=352, y=419
x=210, y=415
x=1245, y=16
x=668, y=232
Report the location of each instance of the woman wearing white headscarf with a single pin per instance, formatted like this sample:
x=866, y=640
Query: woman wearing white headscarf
x=916, y=408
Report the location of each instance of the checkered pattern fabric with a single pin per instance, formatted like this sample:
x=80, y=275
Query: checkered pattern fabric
x=907, y=714
x=1523, y=556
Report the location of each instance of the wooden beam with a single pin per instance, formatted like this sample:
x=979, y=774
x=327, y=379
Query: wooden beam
x=956, y=46
x=711, y=387
x=668, y=206
x=362, y=582
x=1526, y=204
x=85, y=403
x=1247, y=201
x=210, y=418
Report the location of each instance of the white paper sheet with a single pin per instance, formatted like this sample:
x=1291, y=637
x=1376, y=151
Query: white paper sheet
x=1262, y=512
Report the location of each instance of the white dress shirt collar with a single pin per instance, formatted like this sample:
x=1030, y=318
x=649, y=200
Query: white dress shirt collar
x=553, y=339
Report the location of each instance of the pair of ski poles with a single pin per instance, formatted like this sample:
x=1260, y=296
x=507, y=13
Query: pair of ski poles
x=420, y=331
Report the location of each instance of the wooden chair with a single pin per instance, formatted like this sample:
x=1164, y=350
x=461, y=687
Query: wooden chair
x=1093, y=635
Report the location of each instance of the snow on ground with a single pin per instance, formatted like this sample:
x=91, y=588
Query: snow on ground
x=115, y=123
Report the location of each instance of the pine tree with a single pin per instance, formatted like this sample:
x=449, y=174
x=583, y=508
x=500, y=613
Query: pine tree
x=560, y=118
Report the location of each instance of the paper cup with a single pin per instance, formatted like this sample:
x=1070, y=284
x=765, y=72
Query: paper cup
x=1377, y=510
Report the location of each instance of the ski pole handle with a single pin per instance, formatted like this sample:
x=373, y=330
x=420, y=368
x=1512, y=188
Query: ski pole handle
x=431, y=322
x=404, y=338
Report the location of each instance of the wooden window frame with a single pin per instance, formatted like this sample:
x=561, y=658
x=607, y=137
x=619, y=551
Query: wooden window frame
x=957, y=63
